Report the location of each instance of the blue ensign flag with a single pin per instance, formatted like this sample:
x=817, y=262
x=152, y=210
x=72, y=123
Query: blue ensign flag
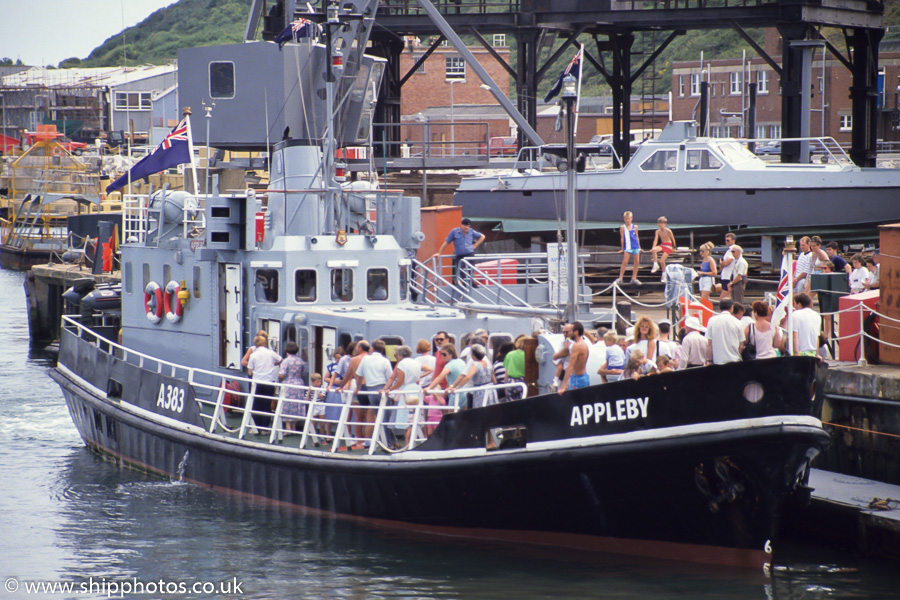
x=175, y=150
x=572, y=68
x=300, y=28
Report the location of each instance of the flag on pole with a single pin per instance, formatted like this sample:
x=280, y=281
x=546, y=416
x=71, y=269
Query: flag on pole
x=176, y=149
x=300, y=28
x=784, y=294
x=573, y=68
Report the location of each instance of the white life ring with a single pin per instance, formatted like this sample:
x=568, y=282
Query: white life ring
x=153, y=293
x=172, y=306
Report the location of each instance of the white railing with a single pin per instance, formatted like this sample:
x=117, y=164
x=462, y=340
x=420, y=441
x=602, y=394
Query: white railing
x=348, y=431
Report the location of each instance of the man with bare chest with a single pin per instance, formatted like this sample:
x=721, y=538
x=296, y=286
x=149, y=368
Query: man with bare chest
x=576, y=375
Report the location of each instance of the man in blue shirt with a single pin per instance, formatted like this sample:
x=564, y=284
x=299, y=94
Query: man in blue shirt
x=464, y=240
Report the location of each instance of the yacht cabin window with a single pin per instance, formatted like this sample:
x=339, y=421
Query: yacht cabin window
x=661, y=160
x=305, y=285
x=266, y=285
x=702, y=160
x=376, y=285
x=342, y=285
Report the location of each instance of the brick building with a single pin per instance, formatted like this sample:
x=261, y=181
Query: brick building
x=445, y=89
x=830, y=105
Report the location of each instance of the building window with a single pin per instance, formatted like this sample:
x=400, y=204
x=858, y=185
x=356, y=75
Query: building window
x=377, y=285
x=421, y=69
x=762, y=82
x=305, y=285
x=499, y=40
x=775, y=131
x=342, y=285
x=133, y=101
x=455, y=68
x=221, y=80
x=846, y=122
x=681, y=85
x=736, y=83
x=716, y=131
x=760, y=132
x=695, y=84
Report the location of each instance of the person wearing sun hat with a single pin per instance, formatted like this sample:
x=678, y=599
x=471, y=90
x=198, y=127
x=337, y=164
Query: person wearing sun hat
x=694, y=347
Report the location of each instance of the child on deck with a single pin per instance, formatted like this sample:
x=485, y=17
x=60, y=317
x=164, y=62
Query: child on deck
x=631, y=248
x=638, y=366
x=664, y=241
x=662, y=364
x=615, y=358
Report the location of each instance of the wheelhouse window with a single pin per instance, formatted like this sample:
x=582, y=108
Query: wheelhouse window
x=661, y=160
x=377, y=285
x=266, y=285
x=404, y=281
x=221, y=80
x=702, y=160
x=305, y=285
x=342, y=285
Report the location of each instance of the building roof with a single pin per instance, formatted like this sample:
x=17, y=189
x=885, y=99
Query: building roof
x=97, y=76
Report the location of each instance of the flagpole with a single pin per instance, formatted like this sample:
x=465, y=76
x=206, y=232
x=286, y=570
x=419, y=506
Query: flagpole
x=789, y=298
x=578, y=96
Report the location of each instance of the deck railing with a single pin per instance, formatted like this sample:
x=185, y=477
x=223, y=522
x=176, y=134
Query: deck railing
x=330, y=435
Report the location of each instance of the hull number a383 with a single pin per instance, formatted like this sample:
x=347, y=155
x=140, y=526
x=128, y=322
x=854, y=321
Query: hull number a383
x=171, y=397
x=620, y=410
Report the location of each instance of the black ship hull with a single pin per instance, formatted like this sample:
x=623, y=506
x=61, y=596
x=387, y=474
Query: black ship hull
x=676, y=469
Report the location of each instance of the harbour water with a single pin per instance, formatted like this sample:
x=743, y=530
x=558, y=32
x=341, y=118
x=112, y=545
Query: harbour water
x=69, y=518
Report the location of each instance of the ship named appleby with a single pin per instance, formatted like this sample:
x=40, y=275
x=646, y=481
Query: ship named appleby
x=158, y=384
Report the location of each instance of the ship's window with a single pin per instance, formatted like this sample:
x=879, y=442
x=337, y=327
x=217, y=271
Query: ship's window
x=196, y=289
x=702, y=160
x=305, y=285
x=404, y=281
x=128, y=276
x=661, y=160
x=390, y=345
x=167, y=275
x=266, y=285
x=342, y=285
x=376, y=284
x=221, y=80
x=145, y=268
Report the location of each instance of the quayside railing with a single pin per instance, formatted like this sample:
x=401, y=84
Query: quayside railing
x=351, y=430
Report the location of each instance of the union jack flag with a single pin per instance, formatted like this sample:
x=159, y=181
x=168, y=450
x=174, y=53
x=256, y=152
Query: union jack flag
x=783, y=285
x=179, y=134
x=177, y=148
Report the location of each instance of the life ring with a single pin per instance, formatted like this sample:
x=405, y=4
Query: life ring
x=153, y=292
x=172, y=306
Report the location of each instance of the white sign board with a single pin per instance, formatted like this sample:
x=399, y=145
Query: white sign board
x=558, y=269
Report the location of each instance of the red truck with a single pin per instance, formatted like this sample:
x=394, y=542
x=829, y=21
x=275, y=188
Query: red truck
x=48, y=132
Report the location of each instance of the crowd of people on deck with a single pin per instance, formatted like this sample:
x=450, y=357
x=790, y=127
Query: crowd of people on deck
x=444, y=378
x=422, y=384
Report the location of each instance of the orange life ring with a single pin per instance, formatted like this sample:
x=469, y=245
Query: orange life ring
x=153, y=293
x=172, y=306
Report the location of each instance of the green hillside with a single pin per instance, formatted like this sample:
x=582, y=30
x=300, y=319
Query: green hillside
x=157, y=38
